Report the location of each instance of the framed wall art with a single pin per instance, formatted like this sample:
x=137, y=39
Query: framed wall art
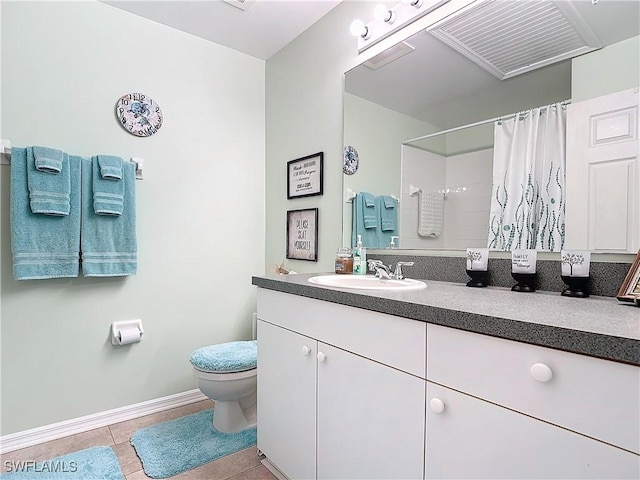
x=304, y=176
x=302, y=234
x=630, y=289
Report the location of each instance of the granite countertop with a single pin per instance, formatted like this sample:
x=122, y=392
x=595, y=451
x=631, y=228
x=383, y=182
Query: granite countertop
x=597, y=326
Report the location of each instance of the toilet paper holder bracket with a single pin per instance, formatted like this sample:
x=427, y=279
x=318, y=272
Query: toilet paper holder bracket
x=125, y=327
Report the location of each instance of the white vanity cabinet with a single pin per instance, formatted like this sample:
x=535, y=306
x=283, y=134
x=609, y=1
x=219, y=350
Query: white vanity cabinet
x=341, y=390
x=287, y=403
x=503, y=409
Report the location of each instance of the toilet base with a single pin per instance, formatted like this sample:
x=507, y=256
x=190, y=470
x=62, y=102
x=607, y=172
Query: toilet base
x=233, y=417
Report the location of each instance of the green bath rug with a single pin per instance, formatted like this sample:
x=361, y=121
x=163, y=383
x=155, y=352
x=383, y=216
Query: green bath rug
x=96, y=463
x=173, y=447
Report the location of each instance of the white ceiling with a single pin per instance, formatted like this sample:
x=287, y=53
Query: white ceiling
x=438, y=85
x=261, y=31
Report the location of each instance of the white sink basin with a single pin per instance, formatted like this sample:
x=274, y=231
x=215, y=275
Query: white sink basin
x=367, y=282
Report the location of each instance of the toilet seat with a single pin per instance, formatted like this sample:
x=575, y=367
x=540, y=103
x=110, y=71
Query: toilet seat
x=226, y=358
x=227, y=375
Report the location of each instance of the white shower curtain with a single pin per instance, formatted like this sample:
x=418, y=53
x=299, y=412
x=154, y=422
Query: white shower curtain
x=528, y=197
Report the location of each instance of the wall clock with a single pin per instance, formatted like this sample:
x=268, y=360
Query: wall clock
x=350, y=160
x=139, y=114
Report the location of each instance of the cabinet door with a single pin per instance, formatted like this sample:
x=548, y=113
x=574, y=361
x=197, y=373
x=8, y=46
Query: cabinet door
x=370, y=419
x=471, y=438
x=287, y=400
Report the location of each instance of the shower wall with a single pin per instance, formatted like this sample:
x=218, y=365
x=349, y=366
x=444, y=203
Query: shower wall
x=467, y=180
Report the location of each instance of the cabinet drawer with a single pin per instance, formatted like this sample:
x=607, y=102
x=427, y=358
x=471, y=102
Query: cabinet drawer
x=471, y=438
x=592, y=396
x=394, y=341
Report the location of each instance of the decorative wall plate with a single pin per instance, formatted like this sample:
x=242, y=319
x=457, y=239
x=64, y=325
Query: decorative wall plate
x=139, y=114
x=351, y=161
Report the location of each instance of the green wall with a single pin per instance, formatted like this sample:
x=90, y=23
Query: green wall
x=200, y=208
x=609, y=70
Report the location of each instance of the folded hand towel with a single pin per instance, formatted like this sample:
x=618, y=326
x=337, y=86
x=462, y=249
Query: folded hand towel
x=108, y=242
x=388, y=214
x=110, y=167
x=364, y=220
x=431, y=212
x=48, y=192
x=368, y=210
x=387, y=220
x=43, y=246
x=48, y=159
x=108, y=195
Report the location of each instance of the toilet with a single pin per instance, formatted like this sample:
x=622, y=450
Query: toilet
x=227, y=374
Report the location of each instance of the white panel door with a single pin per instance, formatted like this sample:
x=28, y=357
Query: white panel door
x=370, y=419
x=287, y=400
x=603, y=174
x=470, y=438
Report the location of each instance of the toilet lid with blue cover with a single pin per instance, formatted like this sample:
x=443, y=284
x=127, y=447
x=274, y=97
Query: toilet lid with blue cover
x=226, y=357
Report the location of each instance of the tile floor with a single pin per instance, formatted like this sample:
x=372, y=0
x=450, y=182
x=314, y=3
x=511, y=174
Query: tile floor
x=243, y=465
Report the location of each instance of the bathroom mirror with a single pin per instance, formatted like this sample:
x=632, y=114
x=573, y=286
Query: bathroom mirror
x=423, y=86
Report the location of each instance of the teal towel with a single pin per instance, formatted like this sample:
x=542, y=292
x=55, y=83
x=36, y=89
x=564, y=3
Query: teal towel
x=388, y=214
x=388, y=220
x=108, y=242
x=43, y=246
x=48, y=191
x=110, y=167
x=108, y=193
x=48, y=159
x=364, y=220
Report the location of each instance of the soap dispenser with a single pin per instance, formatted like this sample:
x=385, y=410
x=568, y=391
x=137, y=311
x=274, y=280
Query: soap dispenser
x=392, y=243
x=359, y=258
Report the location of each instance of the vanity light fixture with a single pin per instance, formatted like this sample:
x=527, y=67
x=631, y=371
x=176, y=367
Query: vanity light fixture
x=383, y=14
x=359, y=29
x=387, y=21
x=414, y=3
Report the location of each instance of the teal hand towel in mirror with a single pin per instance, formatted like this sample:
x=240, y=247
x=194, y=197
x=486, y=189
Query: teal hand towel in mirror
x=388, y=214
x=110, y=167
x=108, y=242
x=43, y=246
x=364, y=220
x=387, y=220
x=108, y=193
x=48, y=190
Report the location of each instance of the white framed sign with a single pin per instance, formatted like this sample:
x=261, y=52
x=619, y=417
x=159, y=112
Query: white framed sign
x=302, y=234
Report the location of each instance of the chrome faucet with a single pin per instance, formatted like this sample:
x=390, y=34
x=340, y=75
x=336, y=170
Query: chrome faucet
x=397, y=273
x=382, y=271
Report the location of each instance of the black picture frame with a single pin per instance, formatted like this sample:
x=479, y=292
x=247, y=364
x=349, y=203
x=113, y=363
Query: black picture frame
x=305, y=176
x=302, y=234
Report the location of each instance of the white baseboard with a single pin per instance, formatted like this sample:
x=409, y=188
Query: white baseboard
x=34, y=436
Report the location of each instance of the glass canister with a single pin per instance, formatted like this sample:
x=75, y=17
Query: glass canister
x=344, y=260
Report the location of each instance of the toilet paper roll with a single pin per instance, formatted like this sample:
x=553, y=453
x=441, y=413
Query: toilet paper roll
x=128, y=335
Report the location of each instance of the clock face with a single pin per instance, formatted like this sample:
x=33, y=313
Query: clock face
x=350, y=160
x=139, y=114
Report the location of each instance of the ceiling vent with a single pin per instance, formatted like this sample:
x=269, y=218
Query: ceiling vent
x=241, y=4
x=511, y=37
x=389, y=55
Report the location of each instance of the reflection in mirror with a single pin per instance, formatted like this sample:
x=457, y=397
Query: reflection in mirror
x=433, y=89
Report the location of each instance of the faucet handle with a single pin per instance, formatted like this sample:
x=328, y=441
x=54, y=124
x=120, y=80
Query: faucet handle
x=398, y=270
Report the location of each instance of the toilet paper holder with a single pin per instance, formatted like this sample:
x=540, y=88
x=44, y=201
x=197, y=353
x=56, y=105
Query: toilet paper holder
x=126, y=331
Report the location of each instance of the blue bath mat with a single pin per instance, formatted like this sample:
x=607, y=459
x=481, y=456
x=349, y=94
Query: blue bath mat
x=172, y=447
x=92, y=463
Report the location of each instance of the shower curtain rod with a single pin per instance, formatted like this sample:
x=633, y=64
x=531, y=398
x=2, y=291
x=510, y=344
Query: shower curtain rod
x=482, y=122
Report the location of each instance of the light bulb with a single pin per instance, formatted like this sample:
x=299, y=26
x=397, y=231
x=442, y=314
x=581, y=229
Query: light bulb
x=382, y=13
x=359, y=29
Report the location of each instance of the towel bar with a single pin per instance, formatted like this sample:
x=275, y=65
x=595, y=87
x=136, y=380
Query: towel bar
x=5, y=158
x=351, y=195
